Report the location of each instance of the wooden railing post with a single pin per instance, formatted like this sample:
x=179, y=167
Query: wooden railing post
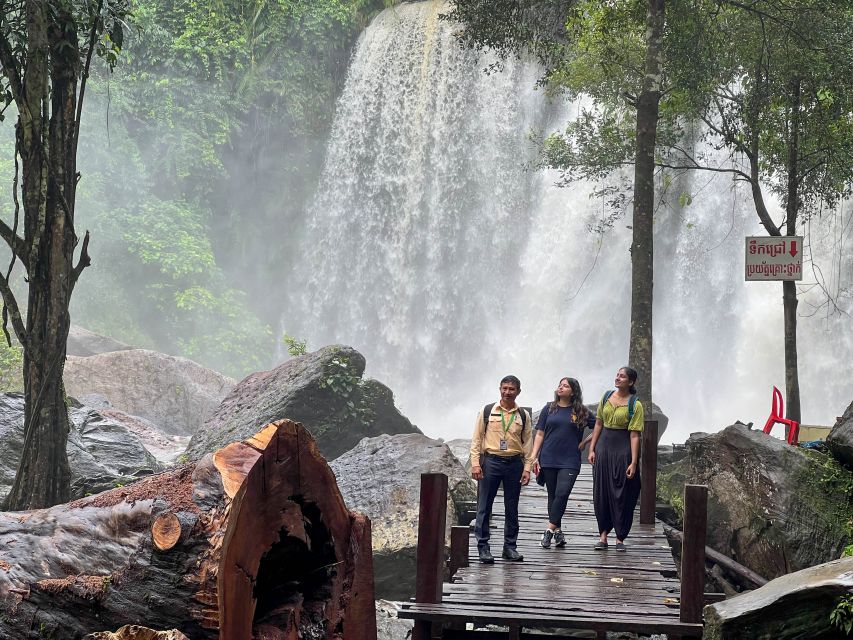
x=693, y=552
x=649, y=472
x=458, y=549
x=432, y=520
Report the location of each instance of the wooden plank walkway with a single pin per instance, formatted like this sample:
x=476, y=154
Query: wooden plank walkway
x=573, y=587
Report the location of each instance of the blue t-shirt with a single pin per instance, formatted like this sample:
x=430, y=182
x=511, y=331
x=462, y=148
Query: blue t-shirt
x=562, y=437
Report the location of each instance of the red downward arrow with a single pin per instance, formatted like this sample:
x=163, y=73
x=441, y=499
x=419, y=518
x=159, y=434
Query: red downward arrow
x=793, y=248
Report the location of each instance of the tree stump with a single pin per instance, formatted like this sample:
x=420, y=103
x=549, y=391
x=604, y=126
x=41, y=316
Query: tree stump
x=251, y=542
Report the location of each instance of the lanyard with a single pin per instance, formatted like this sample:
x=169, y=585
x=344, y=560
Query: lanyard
x=503, y=421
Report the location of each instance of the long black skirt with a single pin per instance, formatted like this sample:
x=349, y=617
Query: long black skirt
x=613, y=495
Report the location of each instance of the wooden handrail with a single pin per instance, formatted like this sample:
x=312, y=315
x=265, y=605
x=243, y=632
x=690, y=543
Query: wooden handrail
x=649, y=472
x=723, y=560
x=430, y=554
x=693, y=552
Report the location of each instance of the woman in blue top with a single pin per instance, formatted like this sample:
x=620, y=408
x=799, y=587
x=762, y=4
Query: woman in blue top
x=556, y=452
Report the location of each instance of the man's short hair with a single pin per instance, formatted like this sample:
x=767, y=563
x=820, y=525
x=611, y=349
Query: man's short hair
x=512, y=380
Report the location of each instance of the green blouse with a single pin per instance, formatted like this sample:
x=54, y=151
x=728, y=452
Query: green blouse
x=617, y=417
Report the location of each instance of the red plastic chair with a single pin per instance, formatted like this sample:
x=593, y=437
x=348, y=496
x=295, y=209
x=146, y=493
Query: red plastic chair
x=777, y=411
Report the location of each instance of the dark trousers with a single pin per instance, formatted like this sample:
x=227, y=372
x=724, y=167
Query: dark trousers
x=497, y=470
x=613, y=495
x=559, y=483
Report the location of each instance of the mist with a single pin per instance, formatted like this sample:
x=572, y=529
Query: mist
x=395, y=205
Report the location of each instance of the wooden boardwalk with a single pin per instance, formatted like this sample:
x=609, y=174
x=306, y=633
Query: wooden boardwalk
x=574, y=587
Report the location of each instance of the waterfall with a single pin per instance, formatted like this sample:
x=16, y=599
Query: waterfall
x=436, y=248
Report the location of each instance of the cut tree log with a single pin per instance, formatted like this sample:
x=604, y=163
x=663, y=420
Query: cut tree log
x=251, y=542
x=133, y=632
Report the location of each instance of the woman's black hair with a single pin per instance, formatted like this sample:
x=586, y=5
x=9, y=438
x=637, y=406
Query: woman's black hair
x=577, y=405
x=632, y=376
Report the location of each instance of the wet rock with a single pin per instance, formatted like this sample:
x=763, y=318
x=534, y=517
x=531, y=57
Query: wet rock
x=771, y=507
x=323, y=390
x=102, y=451
x=840, y=439
x=82, y=342
x=381, y=478
x=669, y=453
x=797, y=605
x=388, y=625
x=175, y=393
x=461, y=448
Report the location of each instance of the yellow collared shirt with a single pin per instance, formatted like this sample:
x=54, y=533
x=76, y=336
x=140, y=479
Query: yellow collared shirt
x=519, y=438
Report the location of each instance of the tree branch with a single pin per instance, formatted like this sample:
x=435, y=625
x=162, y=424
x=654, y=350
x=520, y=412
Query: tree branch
x=83, y=262
x=15, y=242
x=699, y=167
x=10, y=308
x=93, y=34
x=10, y=68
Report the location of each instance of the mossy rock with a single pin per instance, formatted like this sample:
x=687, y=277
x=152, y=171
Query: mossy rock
x=772, y=507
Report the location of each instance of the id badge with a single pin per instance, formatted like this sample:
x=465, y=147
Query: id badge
x=504, y=445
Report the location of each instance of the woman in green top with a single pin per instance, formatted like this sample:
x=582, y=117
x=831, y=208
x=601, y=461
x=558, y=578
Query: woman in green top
x=614, y=453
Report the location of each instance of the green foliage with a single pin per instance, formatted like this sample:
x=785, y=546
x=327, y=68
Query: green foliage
x=11, y=362
x=198, y=153
x=295, y=346
x=841, y=616
x=848, y=551
x=831, y=487
x=514, y=27
x=340, y=378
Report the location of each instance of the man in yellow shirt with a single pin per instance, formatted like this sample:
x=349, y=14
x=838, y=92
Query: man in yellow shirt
x=501, y=453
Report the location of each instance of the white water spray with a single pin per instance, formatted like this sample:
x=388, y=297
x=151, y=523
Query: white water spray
x=436, y=251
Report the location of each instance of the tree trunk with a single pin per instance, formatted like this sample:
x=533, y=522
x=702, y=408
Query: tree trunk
x=642, y=247
x=789, y=288
x=792, y=377
x=48, y=159
x=252, y=541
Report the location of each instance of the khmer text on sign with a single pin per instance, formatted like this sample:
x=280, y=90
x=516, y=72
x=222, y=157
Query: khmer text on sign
x=774, y=258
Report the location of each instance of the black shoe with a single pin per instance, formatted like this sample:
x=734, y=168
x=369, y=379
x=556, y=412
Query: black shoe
x=512, y=555
x=486, y=557
x=559, y=538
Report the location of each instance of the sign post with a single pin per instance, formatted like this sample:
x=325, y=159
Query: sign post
x=774, y=258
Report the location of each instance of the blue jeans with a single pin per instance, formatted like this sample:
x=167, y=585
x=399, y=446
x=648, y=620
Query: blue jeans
x=497, y=470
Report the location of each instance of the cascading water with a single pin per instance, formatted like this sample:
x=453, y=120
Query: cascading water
x=434, y=249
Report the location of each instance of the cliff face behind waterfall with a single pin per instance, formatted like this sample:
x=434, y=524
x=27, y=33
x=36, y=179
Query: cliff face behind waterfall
x=436, y=248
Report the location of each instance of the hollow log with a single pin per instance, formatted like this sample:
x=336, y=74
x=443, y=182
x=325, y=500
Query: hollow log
x=133, y=632
x=252, y=542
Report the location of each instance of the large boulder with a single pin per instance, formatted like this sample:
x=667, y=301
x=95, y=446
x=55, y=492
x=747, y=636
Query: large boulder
x=797, y=605
x=381, y=478
x=461, y=448
x=840, y=439
x=772, y=507
x=82, y=342
x=102, y=452
x=323, y=390
x=175, y=393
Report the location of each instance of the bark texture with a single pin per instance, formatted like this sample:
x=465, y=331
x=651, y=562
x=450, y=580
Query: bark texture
x=642, y=246
x=44, y=85
x=264, y=547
